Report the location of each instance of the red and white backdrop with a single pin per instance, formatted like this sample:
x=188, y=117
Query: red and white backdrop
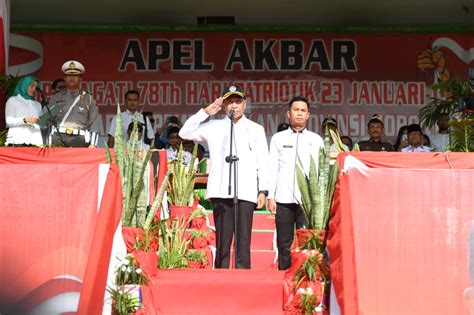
x=59, y=210
x=349, y=76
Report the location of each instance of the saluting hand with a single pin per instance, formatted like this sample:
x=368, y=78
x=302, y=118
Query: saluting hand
x=215, y=107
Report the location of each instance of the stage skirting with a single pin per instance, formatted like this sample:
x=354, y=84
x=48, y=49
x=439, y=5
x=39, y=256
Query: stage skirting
x=59, y=210
x=400, y=233
x=217, y=291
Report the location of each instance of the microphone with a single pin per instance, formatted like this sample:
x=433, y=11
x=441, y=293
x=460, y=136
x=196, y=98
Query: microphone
x=232, y=113
x=43, y=100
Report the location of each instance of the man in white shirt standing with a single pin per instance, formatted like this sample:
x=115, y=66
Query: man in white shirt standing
x=251, y=148
x=132, y=104
x=284, y=196
x=440, y=140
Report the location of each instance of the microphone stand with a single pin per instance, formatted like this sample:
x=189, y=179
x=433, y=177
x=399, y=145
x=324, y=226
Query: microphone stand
x=44, y=103
x=232, y=160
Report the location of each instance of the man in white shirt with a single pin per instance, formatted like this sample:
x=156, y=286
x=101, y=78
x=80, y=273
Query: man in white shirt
x=415, y=137
x=286, y=147
x=132, y=104
x=251, y=148
x=440, y=140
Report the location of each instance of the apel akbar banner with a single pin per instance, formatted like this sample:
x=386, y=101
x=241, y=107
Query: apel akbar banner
x=347, y=76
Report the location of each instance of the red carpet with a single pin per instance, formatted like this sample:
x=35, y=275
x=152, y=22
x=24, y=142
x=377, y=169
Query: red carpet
x=214, y=292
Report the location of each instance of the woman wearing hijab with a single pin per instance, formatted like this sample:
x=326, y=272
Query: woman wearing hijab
x=22, y=114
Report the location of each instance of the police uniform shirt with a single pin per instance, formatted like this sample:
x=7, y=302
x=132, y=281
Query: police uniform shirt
x=420, y=148
x=285, y=148
x=371, y=145
x=127, y=118
x=83, y=116
x=250, y=146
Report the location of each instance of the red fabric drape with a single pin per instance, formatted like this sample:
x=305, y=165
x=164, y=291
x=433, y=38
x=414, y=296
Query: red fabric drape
x=54, y=232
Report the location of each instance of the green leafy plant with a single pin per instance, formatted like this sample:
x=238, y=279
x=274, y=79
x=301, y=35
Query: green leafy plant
x=181, y=189
x=196, y=255
x=9, y=83
x=3, y=137
x=125, y=301
x=128, y=273
x=317, y=188
x=199, y=233
x=314, y=268
x=133, y=163
x=308, y=301
x=172, y=244
x=451, y=93
x=462, y=135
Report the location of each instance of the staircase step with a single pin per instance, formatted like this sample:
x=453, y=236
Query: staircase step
x=262, y=220
x=262, y=240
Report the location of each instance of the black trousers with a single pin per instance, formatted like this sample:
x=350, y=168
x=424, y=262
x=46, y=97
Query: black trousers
x=224, y=219
x=287, y=215
x=74, y=141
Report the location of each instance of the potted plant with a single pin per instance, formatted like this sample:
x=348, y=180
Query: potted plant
x=133, y=163
x=310, y=263
x=317, y=193
x=126, y=296
x=449, y=99
x=125, y=299
x=172, y=244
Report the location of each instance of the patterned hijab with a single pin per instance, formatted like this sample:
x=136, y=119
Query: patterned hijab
x=22, y=86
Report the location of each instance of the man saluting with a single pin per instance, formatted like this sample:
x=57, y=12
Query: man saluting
x=251, y=148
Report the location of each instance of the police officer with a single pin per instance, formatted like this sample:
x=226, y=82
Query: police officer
x=376, y=132
x=77, y=118
x=286, y=147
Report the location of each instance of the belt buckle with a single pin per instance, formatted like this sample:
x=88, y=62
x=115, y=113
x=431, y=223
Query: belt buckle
x=69, y=131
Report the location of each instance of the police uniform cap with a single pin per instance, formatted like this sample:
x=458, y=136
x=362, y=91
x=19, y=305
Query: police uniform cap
x=376, y=118
x=73, y=67
x=232, y=90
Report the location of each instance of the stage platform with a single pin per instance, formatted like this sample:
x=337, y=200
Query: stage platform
x=217, y=291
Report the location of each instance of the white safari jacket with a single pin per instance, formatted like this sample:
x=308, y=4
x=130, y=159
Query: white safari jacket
x=285, y=147
x=250, y=146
